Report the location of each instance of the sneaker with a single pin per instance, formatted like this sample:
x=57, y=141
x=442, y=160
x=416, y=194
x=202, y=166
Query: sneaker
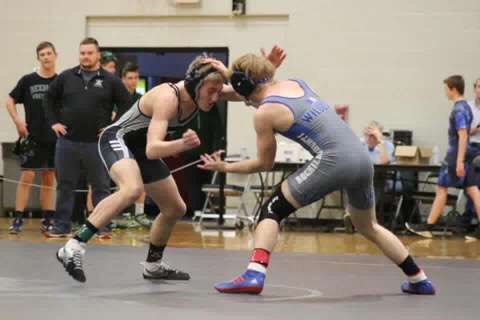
x=47, y=220
x=105, y=233
x=474, y=235
x=71, y=257
x=45, y=224
x=347, y=222
x=125, y=221
x=422, y=230
x=249, y=282
x=144, y=220
x=76, y=226
x=16, y=226
x=161, y=270
x=133, y=223
x=120, y=222
x=58, y=230
x=424, y=287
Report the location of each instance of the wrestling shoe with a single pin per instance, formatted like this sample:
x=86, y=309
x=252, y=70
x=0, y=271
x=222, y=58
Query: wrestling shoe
x=161, y=270
x=422, y=230
x=71, y=257
x=250, y=281
x=424, y=287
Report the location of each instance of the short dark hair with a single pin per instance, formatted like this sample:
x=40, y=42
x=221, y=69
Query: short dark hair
x=129, y=67
x=45, y=44
x=90, y=40
x=456, y=82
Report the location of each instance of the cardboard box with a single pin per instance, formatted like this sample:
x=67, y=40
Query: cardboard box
x=425, y=155
x=413, y=155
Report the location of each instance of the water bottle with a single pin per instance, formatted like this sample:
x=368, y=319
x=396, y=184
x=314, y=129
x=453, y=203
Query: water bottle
x=435, y=155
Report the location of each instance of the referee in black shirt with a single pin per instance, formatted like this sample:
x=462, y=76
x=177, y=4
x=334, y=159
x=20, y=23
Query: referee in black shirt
x=78, y=105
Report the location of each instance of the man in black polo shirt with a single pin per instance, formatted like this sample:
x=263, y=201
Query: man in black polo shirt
x=78, y=106
x=29, y=91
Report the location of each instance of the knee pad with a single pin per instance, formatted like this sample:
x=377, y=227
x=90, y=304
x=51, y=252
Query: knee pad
x=276, y=208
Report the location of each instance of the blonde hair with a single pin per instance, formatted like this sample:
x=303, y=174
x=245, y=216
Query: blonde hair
x=255, y=67
x=376, y=124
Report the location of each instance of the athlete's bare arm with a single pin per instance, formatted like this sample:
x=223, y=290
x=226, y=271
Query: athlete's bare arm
x=266, y=148
x=276, y=56
x=229, y=94
x=162, y=105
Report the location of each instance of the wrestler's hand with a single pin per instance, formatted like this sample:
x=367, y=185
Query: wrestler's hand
x=213, y=162
x=219, y=66
x=275, y=56
x=190, y=139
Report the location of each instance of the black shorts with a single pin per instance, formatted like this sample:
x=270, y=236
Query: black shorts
x=112, y=148
x=447, y=177
x=42, y=157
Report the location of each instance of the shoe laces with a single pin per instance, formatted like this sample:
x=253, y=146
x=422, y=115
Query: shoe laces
x=153, y=266
x=165, y=266
x=77, y=259
x=156, y=266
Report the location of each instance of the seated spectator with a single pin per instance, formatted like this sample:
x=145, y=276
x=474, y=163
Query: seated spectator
x=381, y=152
x=379, y=149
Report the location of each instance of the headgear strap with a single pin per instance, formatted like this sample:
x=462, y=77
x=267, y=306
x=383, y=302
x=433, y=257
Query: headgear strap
x=243, y=85
x=195, y=76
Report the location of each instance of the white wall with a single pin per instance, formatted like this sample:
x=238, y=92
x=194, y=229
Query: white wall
x=385, y=58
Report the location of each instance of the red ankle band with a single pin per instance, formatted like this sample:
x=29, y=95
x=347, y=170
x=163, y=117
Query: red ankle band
x=260, y=256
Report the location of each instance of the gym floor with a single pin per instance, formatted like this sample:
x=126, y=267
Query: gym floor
x=334, y=275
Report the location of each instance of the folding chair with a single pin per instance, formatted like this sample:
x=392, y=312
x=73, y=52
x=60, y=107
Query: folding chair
x=422, y=197
x=212, y=190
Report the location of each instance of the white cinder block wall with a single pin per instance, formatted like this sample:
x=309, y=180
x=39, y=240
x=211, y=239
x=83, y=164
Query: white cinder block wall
x=385, y=58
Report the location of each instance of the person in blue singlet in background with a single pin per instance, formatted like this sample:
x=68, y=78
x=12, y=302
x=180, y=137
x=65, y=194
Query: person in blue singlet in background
x=340, y=161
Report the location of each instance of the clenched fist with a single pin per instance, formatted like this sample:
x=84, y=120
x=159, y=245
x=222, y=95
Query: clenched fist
x=190, y=139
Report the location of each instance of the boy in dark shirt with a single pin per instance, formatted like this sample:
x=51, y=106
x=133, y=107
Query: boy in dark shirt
x=30, y=91
x=457, y=170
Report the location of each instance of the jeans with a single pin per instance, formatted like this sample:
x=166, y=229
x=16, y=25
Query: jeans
x=70, y=158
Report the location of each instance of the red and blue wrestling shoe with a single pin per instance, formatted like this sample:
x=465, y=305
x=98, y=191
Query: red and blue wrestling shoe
x=249, y=282
x=422, y=287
